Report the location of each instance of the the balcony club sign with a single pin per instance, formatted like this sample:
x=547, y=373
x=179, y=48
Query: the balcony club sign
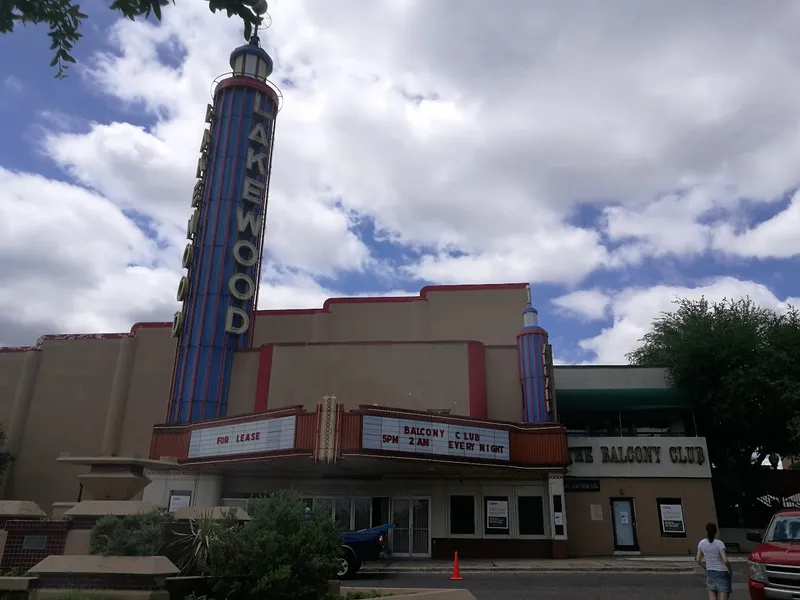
x=638, y=457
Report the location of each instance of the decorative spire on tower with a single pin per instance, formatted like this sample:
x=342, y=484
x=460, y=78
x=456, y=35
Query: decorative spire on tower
x=219, y=293
x=534, y=357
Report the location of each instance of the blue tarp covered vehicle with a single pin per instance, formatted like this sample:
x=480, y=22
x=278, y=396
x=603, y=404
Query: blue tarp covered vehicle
x=362, y=546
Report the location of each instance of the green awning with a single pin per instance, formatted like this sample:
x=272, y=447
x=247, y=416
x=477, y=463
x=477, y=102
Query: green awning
x=613, y=400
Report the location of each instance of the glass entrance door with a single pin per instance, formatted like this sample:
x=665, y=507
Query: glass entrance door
x=624, y=524
x=411, y=537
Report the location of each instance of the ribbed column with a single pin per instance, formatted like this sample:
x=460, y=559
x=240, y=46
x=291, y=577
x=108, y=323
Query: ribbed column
x=118, y=402
x=530, y=348
x=227, y=234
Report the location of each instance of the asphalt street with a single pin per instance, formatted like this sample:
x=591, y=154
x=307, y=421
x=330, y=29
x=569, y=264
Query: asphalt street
x=562, y=586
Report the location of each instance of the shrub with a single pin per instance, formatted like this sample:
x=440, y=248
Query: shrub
x=191, y=542
x=278, y=555
x=132, y=535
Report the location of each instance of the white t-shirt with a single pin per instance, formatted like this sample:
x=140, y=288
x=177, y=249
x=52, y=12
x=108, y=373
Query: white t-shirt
x=712, y=553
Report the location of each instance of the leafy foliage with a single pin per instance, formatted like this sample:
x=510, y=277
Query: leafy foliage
x=740, y=364
x=193, y=544
x=278, y=554
x=64, y=19
x=132, y=535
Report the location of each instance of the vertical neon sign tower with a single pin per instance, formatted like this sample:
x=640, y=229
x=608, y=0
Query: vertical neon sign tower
x=226, y=237
x=533, y=353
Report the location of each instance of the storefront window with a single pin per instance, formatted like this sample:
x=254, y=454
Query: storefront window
x=362, y=513
x=670, y=517
x=530, y=515
x=324, y=505
x=342, y=513
x=462, y=515
x=495, y=510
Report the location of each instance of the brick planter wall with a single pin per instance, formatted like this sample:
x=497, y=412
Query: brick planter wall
x=16, y=556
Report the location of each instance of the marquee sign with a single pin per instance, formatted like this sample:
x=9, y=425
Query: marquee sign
x=268, y=435
x=432, y=438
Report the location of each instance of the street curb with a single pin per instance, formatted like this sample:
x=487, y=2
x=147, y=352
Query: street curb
x=665, y=571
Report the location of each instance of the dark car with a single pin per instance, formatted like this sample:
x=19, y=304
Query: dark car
x=362, y=546
x=774, y=565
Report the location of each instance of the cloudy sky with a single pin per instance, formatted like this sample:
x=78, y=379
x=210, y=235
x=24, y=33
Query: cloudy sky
x=615, y=154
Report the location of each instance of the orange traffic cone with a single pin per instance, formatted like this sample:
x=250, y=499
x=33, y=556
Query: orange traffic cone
x=456, y=570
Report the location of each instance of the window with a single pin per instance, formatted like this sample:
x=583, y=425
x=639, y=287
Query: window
x=350, y=514
x=324, y=506
x=462, y=515
x=34, y=542
x=530, y=513
x=495, y=510
x=342, y=513
x=362, y=513
x=670, y=518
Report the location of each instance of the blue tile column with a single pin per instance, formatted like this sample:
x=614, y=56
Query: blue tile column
x=226, y=238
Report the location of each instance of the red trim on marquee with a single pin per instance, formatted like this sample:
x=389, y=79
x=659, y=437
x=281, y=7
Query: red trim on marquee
x=476, y=366
x=263, y=378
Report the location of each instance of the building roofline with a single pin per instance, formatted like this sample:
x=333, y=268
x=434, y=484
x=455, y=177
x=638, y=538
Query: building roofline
x=326, y=308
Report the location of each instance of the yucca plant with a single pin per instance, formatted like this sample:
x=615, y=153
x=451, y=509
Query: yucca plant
x=194, y=545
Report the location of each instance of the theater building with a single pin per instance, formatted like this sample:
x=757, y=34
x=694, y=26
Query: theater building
x=441, y=412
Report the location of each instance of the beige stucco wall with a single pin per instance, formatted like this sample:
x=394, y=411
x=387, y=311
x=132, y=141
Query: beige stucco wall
x=10, y=369
x=588, y=537
x=492, y=316
x=67, y=413
x=412, y=376
x=504, y=396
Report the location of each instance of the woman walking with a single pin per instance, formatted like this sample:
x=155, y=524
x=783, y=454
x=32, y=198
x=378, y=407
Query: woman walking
x=718, y=570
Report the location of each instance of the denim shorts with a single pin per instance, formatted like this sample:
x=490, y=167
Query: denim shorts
x=718, y=581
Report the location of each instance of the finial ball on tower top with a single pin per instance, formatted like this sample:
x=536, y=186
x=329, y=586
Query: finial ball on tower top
x=260, y=7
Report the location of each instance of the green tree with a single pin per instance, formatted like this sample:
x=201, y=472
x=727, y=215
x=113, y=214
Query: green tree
x=740, y=365
x=64, y=18
x=279, y=554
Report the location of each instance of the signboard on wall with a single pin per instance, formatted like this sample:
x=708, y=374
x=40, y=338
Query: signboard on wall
x=431, y=438
x=268, y=435
x=672, y=518
x=179, y=499
x=581, y=485
x=674, y=457
x=497, y=514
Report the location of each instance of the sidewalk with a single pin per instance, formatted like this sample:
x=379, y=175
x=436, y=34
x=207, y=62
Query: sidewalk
x=676, y=565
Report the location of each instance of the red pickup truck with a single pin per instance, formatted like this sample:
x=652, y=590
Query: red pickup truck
x=774, y=565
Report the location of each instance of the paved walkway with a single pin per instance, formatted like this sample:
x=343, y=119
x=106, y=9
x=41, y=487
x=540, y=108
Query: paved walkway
x=665, y=565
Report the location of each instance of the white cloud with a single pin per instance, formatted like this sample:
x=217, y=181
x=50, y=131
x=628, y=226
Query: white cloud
x=472, y=134
x=588, y=304
x=634, y=310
